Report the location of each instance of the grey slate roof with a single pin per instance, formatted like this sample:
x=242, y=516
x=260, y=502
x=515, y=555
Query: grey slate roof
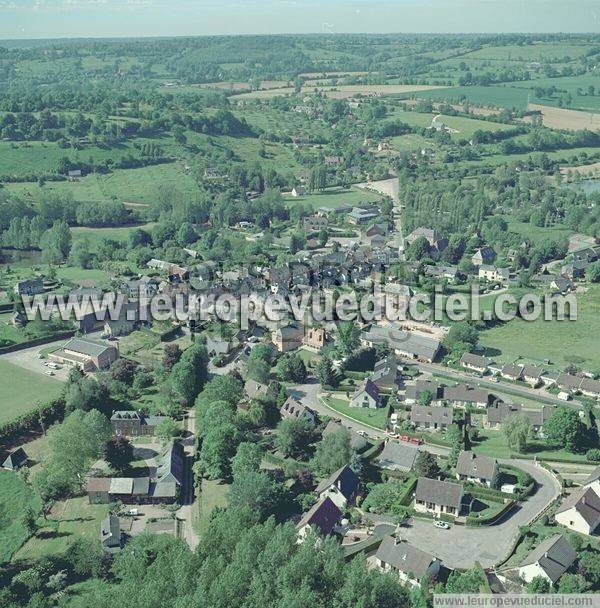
x=466, y=393
x=554, y=555
x=110, y=529
x=439, y=492
x=345, y=479
x=356, y=441
x=425, y=413
x=586, y=502
x=15, y=459
x=398, y=456
x=368, y=387
x=86, y=347
x=476, y=465
x=323, y=515
x=474, y=360
x=422, y=386
x=405, y=557
x=594, y=476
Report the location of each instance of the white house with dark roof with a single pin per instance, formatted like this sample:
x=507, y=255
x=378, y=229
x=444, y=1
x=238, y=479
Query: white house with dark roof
x=476, y=468
x=398, y=456
x=475, y=362
x=320, y=519
x=431, y=418
x=292, y=408
x=550, y=560
x=593, y=481
x=437, y=497
x=410, y=563
x=341, y=487
x=580, y=511
x=366, y=395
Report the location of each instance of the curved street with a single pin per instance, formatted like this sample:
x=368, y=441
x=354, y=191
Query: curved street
x=459, y=546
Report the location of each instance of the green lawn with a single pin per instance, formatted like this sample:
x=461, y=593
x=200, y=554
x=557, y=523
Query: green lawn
x=562, y=342
x=22, y=390
x=69, y=520
x=95, y=235
x=493, y=443
x=213, y=494
x=15, y=496
x=336, y=197
x=376, y=418
x=500, y=97
x=536, y=233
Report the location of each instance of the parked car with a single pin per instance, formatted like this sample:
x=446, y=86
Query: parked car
x=442, y=525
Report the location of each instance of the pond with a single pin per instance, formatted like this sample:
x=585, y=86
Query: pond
x=589, y=186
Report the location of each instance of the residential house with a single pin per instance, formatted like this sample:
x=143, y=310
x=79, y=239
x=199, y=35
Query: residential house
x=511, y=372
x=85, y=354
x=484, y=256
x=476, y=468
x=292, y=408
x=98, y=490
x=465, y=395
x=398, y=456
x=298, y=191
x=127, y=321
x=314, y=223
x=494, y=274
x=410, y=563
x=320, y=519
x=532, y=374
x=15, y=460
x=110, y=534
x=580, y=511
x=410, y=345
x=387, y=376
x=341, y=487
x=593, y=481
x=498, y=412
x=429, y=418
x=421, y=388
x=288, y=337
x=137, y=289
x=360, y=215
x=437, y=497
x=30, y=287
x=561, y=284
x=216, y=346
x=134, y=424
x=366, y=395
x=550, y=560
x=255, y=390
x=432, y=236
x=475, y=362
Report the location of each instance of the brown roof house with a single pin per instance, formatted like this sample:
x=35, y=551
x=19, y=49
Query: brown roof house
x=580, y=511
x=320, y=519
x=314, y=337
x=88, y=355
x=476, y=468
x=366, y=395
x=410, y=563
x=134, y=424
x=437, y=497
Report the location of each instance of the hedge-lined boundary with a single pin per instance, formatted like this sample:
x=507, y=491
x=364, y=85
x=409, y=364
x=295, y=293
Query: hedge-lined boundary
x=64, y=335
x=490, y=520
x=47, y=414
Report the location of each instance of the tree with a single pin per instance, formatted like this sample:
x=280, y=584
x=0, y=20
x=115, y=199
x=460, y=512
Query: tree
x=247, y=458
x=258, y=370
x=29, y=520
x=186, y=235
x=332, y=453
x=294, y=436
x=190, y=373
x=538, y=584
x=347, y=337
x=572, y=583
x=454, y=435
x=257, y=491
x=461, y=337
x=565, y=429
x=221, y=389
x=426, y=465
x=593, y=272
x=167, y=429
x=86, y=558
x=291, y=368
x=56, y=243
x=118, y=453
x=172, y=355
x=385, y=498
x=589, y=566
x=218, y=447
x=517, y=430
x=471, y=581
x=325, y=372
x=81, y=254
x=84, y=394
x=418, y=249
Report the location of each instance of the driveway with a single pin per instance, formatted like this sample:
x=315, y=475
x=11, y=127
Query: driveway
x=460, y=546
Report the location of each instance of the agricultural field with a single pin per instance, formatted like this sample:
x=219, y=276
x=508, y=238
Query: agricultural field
x=15, y=497
x=23, y=390
x=563, y=342
x=493, y=97
x=572, y=120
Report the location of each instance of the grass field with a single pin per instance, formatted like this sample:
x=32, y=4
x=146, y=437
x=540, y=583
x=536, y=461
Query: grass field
x=213, y=494
x=126, y=185
x=493, y=443
x=497, y=96
x=562, y=342
x=562, y=118
x=15, y=496
x=70, y=519
x=95, y=235
x=536, y=233
x=22, y=390
x=376, y=418
x=335, y=197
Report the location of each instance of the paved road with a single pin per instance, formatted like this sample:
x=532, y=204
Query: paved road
x=186, y=513
x=460, y=546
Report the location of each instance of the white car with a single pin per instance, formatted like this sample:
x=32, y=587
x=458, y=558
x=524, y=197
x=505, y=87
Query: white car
x=442, y=525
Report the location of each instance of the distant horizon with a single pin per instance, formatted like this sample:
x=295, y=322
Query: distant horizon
x=86, y=19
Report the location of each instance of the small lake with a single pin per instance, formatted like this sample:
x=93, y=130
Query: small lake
x=589, y=186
